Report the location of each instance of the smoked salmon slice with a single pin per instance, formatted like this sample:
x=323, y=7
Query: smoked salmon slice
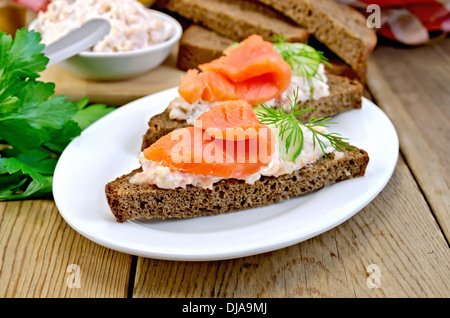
x=253, y=71
x=191, y=150
x=231, y=120
x=196, y=150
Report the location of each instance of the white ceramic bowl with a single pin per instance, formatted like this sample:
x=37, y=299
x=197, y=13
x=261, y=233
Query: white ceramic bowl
x=121, y=65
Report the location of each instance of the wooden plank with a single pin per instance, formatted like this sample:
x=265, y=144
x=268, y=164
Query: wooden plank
x=37, y=248
x=395, y=232
x=420, y=78
x=411, y=86
x=115, y=93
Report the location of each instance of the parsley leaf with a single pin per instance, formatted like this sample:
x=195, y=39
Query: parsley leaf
x=35, y=125
x=87, y=115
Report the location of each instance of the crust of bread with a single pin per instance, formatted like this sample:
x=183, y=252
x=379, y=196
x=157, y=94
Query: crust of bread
x=130, y=201
x=341, y=28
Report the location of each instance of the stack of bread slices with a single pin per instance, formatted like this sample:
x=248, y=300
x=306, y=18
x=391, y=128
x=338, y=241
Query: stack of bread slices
x=211, y=26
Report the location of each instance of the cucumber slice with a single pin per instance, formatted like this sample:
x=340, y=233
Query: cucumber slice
x=303, y=59
x=295, y=141
x=295, y=148
x=258, y=111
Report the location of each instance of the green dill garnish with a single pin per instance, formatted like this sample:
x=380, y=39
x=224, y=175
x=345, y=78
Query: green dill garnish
x=303, y=59
x=290, y=132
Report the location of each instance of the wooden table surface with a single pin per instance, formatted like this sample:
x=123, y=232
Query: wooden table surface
x=397, y=246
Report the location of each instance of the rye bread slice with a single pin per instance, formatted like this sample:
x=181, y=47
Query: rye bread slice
x=345, y=94
x=236, y=20
x=199, y=45
x=132, y=201
x=341, y=28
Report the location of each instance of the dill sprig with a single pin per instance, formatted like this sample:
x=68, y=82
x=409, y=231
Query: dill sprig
x=291, y=132
x=336, y=140
x=303, y=59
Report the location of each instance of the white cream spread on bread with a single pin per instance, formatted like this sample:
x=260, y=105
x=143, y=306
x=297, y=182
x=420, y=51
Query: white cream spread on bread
x=163, y=177
x=300, y=85
x=182, y=110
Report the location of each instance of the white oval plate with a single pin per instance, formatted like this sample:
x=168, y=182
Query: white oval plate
x=110, y=147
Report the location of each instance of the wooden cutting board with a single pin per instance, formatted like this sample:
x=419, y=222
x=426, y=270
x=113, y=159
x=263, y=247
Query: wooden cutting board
x=115, y=93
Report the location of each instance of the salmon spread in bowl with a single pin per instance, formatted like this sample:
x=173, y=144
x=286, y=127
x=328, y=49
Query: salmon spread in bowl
x=133, y=26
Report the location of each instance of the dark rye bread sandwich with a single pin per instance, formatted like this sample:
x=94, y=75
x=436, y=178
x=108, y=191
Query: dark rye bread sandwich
x=130, y=201
x=345, y=94
x=130, y=198
x=236, y=19
x=199, y=45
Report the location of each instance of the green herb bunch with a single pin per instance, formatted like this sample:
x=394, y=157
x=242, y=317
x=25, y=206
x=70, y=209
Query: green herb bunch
x=291, y=133
x=35, y=126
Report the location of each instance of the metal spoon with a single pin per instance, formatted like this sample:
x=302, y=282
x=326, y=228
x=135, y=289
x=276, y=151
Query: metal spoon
x=77, y=41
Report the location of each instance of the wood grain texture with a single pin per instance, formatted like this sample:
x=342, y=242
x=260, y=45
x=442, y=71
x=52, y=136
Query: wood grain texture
x=396, y=232
x=404, y=230
x=36, y=248
x=115, y=93
x=412, y=87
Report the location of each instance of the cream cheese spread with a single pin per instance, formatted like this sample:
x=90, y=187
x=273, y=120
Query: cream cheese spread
x=164, y=178
x=300, y=85
x=182, y=110
x=161, y=176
